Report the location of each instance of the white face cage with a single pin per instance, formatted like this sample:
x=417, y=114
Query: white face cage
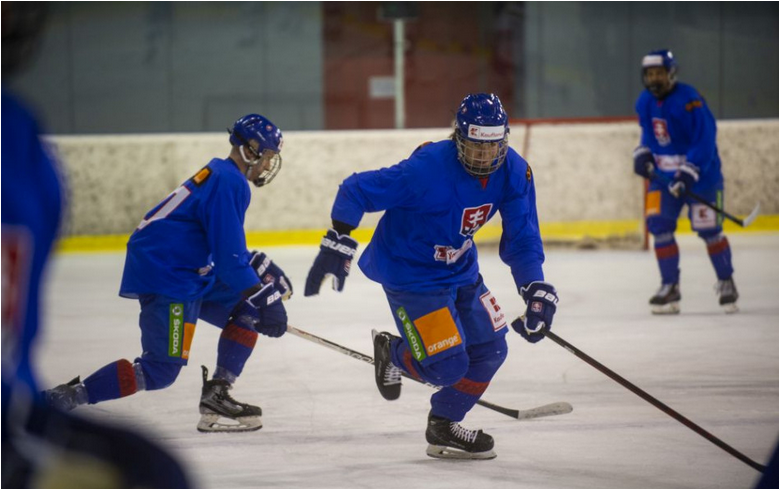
x=481, y=159
x=275, y=163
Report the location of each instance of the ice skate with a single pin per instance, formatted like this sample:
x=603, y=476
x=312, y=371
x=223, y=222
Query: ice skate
x=388, y=377
x=217, y=404
x=65, y=397
x=449, y=440
x=728, y=295
x=666, y=300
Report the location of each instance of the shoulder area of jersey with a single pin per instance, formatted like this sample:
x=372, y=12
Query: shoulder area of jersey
x=429, y=147
x=517, y=165
x=224, y=169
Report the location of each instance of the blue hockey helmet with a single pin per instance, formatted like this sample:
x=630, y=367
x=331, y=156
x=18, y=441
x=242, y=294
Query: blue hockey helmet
x=659, y=58
x=270, y=143
x=481, y=134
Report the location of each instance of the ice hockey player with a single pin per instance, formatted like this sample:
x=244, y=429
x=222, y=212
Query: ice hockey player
x=43, y=447
x=422, y=253
x=679, y=154
x=188, y=260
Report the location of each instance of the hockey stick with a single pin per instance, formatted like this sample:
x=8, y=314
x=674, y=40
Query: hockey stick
x=536, y=412
x=742, y=223
x=652, y=400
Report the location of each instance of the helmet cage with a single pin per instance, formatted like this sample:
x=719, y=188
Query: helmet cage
x=471, y=154
x=270, y=141
x=661, y=58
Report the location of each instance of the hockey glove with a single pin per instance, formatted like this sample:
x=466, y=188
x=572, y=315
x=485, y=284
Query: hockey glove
x=643, y=161
x=541, y=299
x=269, y=272
x=334, y=258
x=686, y=176
x=264, y=311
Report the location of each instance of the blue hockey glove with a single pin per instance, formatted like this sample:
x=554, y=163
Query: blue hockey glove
x=686, y=176
x=269, y=272
x=334, y=258
x=541, y=299
x=264, y=311
x=643, y=161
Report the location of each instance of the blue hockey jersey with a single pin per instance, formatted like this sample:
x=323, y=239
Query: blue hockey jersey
x=173, y=249
x=680, y=128
x=433, y=208
x=31, y=209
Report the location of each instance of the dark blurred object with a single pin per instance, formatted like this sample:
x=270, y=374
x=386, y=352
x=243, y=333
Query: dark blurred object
x=398, y=11
x=22, y=22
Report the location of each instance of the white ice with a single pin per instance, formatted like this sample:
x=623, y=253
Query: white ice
x=325, y=425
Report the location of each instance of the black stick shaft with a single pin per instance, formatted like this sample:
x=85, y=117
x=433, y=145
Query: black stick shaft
x=652, y=400
x=701, y=200
x=513, y=413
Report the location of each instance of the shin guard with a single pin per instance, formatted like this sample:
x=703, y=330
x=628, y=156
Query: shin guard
x=720, y=255
x=668, y=254
x=234, y=348
x=115, y=380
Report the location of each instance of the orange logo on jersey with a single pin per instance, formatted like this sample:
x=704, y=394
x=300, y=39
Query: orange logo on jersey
x=438, y=331
x=653, y=203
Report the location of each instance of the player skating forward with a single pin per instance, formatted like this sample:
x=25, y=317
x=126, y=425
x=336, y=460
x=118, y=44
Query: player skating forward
x=679, y=154
x=188, y=260
x=453, y=330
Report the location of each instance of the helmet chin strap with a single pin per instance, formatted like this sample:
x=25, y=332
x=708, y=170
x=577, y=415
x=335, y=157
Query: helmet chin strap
x=250, y=162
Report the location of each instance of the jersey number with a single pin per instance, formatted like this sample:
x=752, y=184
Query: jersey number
x=166, y=206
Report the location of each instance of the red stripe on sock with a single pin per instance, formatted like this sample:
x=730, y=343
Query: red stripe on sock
x=470, y=387
x=126, y=376
x=245, y=337
x=718, y=247
x=407, y=360
x=667, y=251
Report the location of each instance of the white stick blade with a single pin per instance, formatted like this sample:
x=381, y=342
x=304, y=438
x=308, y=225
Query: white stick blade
x=753, y=214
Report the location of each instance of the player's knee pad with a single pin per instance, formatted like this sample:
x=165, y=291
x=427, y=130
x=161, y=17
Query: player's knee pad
x=486, y=358
x=447, y=371
x=158, y=375
x=660, y=225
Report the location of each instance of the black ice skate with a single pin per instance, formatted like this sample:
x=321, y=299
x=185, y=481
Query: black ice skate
x=388, y=377
x=67, y=396
x=449, y=440
x=728, y=295
x=217, y=403
x=667, y=299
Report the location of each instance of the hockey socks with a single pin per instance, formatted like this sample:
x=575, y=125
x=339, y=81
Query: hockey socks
x=720, y=255
x=455, y=401
x=234, y=348
x=461, y=390
x=115, y=380
x=668, y=255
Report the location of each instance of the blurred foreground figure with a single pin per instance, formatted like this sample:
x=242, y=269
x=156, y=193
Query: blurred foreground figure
x=42, y=447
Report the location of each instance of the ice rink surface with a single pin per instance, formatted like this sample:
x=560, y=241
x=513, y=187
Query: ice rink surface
x=325, y=425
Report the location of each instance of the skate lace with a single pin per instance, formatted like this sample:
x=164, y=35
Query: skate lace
x=463, y=433
x=392, y=374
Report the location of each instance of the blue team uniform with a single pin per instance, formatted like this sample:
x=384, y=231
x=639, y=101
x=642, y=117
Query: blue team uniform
x=680, y=128
x=188, y=260
x=423, y=254
x=200, y=223
x=424, y=241
x=31, y=209
x=32, y=203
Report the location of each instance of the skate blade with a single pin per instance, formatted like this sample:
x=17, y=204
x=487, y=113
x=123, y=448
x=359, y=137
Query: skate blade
x=442, y=452
x=667, y=309
x=214, y=423
x=730, y=308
